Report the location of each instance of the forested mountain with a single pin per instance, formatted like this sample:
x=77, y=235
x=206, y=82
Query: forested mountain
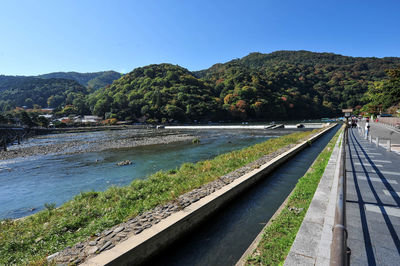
x=95, y=80
x=275, y=86
x=52, y=90
x=374, y=65
x=279, y=85
x=159, y=92
x=296, y=84
x=28, y=91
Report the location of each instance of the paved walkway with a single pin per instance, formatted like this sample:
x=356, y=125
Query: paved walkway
x=373, y=202
x=385, y=132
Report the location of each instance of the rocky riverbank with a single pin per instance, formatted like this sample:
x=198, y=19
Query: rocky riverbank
x=68, y=143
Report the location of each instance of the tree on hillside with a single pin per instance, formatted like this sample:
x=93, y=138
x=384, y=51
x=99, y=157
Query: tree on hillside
x=3, y=119
x=385, y=93
x=28, y=102
x=43, y=121
x=54, y=101
x=26, y=119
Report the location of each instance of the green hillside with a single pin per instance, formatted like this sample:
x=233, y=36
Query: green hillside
x=28, y=91
x=162, y=92
x=373, y=65
x=276, y=86
x=52, y=90
x=95, y=80
x=279, y=85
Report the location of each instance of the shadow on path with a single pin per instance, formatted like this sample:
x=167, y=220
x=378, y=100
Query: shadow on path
x=361, y=154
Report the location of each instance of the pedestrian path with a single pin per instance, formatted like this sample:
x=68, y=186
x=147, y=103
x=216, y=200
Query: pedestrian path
x=384, y=133
x=373, y=202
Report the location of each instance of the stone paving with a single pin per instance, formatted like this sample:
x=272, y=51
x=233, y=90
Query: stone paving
x=373, y=202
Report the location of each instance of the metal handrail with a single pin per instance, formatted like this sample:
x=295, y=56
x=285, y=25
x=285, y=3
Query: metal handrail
x=340, y=253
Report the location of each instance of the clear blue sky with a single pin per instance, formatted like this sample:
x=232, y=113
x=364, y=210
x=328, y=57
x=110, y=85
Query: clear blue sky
x=42, y=36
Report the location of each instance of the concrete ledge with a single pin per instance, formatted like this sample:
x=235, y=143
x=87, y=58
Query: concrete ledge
x=313, y=241
x=138, y=248
x=306, y=125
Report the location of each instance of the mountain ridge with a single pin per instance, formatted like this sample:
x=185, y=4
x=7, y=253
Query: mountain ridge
x=51, y=90
x=279, y=85
x=295, y=57
x=91, y=80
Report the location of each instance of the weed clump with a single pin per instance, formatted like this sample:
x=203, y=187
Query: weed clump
x=196, y=141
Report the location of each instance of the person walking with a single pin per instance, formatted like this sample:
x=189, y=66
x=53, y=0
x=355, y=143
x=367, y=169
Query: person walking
x=367, y=128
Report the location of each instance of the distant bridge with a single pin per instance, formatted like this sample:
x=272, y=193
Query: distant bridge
x=12, y=134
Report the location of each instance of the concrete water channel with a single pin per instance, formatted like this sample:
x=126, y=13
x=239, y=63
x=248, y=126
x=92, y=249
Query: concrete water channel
x=225, y=236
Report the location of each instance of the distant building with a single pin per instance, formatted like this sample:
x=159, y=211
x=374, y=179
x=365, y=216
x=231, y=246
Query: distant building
x=48, y=116
x=64, y=119
x=78, y=119
x=124, y=122
x=91, y=119
x=47, y=110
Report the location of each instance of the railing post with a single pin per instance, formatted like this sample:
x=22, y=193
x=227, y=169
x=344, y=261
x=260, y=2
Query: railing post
x=340, y=253
x=377, y=142
x=4, y=144
x=389, y=146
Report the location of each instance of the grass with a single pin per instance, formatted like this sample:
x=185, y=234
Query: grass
x=279, y=236
x=53, y=229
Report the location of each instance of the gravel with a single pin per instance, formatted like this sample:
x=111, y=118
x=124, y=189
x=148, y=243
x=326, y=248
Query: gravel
x=72, y=144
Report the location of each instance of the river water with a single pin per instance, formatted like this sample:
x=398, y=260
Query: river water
x=26, y=184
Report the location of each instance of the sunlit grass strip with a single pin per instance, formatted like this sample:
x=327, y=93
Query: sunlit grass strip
x=53, y=229
x=279, y=236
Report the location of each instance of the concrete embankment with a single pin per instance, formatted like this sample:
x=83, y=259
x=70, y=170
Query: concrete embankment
x=313, y=241
x=138, y=248
x=274, y=126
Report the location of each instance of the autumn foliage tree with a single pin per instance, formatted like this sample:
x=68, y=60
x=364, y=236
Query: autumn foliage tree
x=385, y=93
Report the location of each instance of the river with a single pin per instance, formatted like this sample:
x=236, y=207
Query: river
x=26, y=184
